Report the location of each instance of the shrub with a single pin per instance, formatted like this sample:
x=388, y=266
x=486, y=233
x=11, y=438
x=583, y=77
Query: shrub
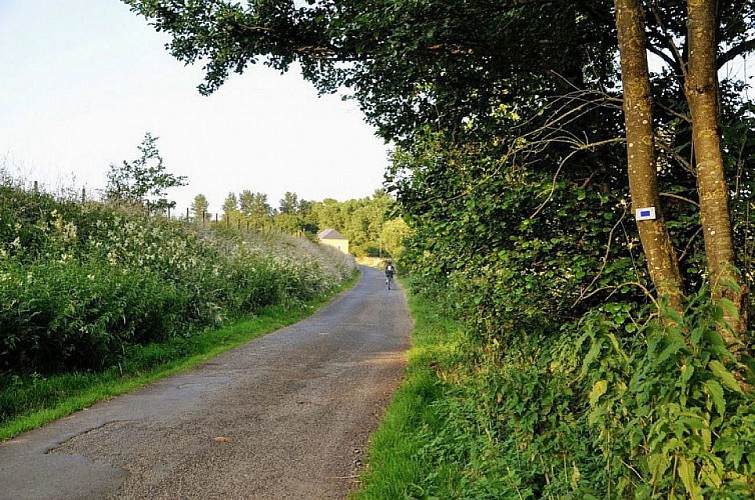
x=79, y=282
x=595, y=412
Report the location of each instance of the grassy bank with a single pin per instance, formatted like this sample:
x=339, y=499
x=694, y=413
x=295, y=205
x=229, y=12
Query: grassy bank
x=82, y=282
x=469, y=423
x=585, y=415
x=33, y=400
x=414, y=422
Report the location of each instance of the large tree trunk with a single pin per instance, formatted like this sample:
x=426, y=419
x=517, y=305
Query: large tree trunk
x=701, y=87
x=643, y=184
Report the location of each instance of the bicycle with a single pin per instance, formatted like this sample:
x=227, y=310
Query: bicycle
x=390, y=282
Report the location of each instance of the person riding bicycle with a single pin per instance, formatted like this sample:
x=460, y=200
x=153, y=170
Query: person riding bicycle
x=389, y=270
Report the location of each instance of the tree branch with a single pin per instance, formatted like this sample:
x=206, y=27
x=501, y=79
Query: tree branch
x=675, y=64
x=677, y=197
x=602, y=16
x=666, y=58
x=735, y=52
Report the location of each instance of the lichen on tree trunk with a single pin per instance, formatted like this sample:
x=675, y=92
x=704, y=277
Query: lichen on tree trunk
x=701, y=87
x=643, y=184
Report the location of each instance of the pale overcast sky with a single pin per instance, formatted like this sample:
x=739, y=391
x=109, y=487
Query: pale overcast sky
x=81, y=81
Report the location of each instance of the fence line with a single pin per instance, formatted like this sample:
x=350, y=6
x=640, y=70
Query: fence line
x=235, y=221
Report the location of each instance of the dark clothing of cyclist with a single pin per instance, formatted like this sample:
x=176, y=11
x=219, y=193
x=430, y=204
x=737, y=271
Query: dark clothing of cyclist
x=389, y=276
x=389, y=271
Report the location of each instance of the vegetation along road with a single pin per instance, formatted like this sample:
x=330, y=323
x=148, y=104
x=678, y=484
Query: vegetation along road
x=285, y=416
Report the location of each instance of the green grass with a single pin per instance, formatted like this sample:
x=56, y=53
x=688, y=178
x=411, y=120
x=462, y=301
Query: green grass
x=28, y=402
x=397, y=468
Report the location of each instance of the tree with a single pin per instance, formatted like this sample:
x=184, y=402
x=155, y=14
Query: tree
x=407, y=62
x=393, y=235
x=288, y=222
x=295, y=216
x=327, y=214
x=254, y=207
x=230, y=206
x=362, y=221
x=199, y=207
x=305, y=208
x=641, y=164
x=449, y=67
x=701, y=84
x=307, y=217
x=289, y=204
x=246, y=201
x=701, y=88
x=144, y=180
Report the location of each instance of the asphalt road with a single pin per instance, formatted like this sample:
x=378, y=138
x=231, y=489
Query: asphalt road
x=285, y=416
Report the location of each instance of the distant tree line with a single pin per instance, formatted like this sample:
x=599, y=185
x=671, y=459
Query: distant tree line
x=371, y=224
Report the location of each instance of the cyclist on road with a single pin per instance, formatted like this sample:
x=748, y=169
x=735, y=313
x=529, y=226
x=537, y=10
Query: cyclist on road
x=389, y=270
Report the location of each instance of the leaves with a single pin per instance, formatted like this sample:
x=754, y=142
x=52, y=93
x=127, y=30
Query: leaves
x=687, y=474
x=724, y=375
x=716, y=394
x=598, y=389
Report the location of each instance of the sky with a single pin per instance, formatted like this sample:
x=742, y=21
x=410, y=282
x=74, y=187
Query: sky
x=82, y=81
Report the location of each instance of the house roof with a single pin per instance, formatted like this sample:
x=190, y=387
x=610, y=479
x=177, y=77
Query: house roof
x=331, y=234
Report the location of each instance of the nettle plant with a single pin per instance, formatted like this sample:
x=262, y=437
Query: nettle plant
x=670, y=416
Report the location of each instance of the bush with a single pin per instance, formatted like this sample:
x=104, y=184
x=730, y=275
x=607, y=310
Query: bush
x=668, y=413
x=593, y=412
x=79, y=282
x=61, y=315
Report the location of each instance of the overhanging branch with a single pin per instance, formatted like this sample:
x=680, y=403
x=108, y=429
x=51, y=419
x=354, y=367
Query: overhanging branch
x=735, y=52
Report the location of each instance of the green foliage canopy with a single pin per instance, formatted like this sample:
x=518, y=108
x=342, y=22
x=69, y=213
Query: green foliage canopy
x=510, y=168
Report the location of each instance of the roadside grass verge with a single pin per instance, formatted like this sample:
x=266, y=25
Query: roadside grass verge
x=397, y=466
x=30, y=401
x=537, y=418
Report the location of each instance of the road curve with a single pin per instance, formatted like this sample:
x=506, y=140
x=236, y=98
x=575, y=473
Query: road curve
x=285, y=416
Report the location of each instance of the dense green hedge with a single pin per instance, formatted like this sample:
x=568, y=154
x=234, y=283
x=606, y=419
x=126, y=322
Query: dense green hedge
x=573, y=382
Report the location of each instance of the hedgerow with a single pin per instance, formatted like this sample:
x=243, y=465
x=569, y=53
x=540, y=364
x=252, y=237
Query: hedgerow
x=593, y=412
x=574, y=382
x=79, y=282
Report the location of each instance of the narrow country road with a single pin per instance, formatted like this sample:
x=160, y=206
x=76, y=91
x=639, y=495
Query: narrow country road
x=284, y=416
